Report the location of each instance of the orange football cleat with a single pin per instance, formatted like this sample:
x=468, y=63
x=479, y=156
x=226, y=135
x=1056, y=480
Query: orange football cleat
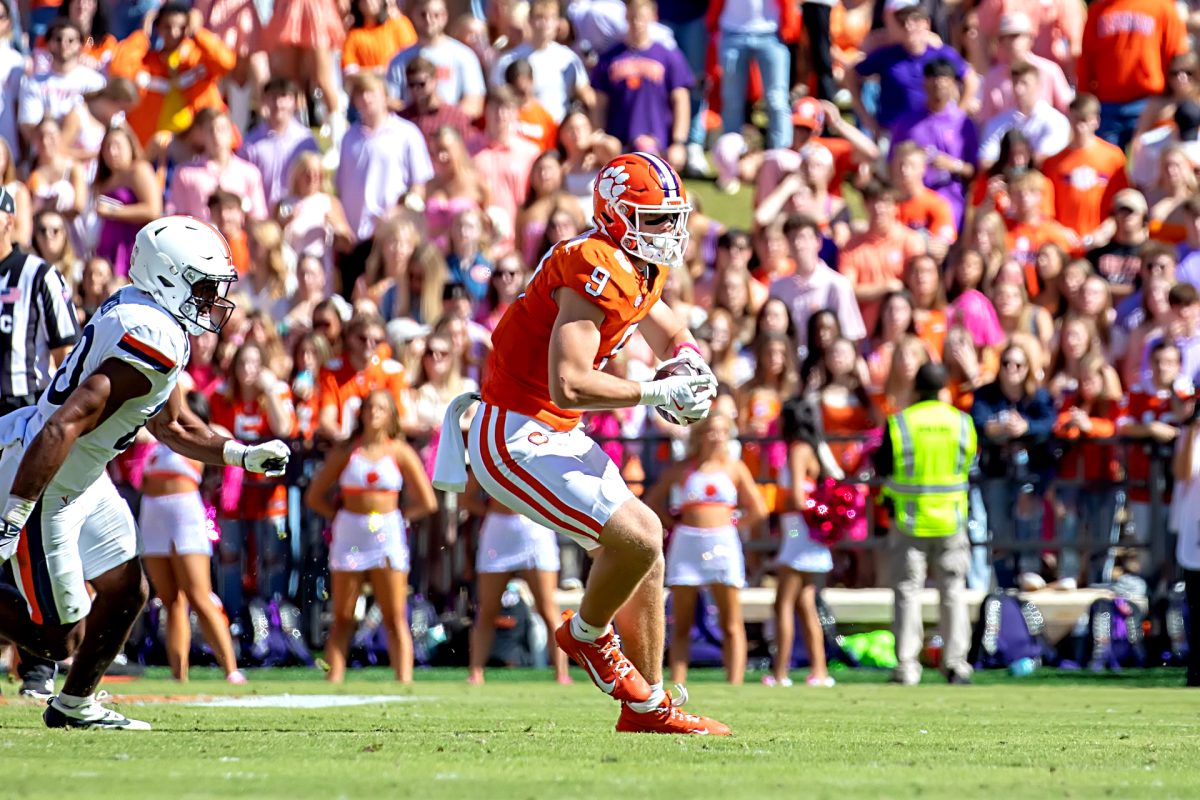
x=667, y=718
x=603, y=660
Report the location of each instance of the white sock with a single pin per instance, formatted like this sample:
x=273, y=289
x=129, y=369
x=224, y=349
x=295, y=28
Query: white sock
x=656, y=697
x=71, y=701
x=587, y=633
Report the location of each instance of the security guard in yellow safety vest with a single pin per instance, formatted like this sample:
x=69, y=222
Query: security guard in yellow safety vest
x=926, y=458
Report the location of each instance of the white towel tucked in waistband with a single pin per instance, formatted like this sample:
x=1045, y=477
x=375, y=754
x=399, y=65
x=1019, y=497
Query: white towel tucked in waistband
x=450, y=466
x=14, y=424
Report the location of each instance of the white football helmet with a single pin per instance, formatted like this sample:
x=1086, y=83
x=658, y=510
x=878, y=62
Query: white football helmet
x=185, y=265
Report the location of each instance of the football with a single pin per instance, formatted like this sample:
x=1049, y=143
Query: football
x=678, y=368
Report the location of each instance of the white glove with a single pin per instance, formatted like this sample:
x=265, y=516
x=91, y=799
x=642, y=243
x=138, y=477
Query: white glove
x=16, y=513
x=10, y=537
x=687, y=396
x=688, y=354
x=269, y=458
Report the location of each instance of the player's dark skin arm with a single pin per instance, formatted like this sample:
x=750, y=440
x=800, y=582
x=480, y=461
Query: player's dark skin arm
x=185, y=433
x=91, y=403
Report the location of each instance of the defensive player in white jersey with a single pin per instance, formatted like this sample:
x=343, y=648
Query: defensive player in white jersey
x=63, y=520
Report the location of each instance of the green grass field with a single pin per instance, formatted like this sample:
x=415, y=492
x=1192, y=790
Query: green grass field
x=521, y=736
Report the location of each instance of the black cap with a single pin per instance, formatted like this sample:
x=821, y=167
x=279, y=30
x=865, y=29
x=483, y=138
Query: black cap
x=7, y=204
x=455, y=291
x=1187, y=120
x=931, y=379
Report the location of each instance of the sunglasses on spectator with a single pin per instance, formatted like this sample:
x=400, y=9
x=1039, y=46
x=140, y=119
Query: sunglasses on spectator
x=322, y=324
x=369, y=338
x=1010, y=362
x=419, y=80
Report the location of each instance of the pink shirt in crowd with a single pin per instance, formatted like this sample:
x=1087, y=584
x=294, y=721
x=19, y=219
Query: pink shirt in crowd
x=195, y=182
x=996, y=95
x=377, y=168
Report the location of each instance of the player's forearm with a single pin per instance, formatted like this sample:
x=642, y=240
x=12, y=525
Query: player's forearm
x=43, y=458
x=197, y=442
x=593, y=390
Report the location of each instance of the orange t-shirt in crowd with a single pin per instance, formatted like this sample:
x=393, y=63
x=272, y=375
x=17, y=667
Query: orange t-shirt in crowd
x=342, y=387
x=1145, y=406
x=979, y=193
x=1086, y=460
x=374, y=46
x=1085, y=180
x=594, y=268
x=239, y=251
x=1169, y=232
x=1127, y=45
x=928, y=211
x=846, y=421
x=871, y=259
x=931, y=329
x=262, y=497
x=535, y=124
x=1025, y=239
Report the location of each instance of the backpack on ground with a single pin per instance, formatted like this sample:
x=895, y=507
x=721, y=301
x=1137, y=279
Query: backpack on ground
x=1008, y=630
x=1115, y=628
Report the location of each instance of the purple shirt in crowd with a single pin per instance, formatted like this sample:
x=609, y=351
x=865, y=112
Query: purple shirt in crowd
x=638, y=84
x=1187, y=270
x=902, y=78
x=948, y=131
x=273, y=154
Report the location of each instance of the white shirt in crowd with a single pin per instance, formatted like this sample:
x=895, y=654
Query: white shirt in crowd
x=458, y=72
x=750, y=16
x=557, y=71
x=1047, y=130
x=12, y=71
x=49, y=94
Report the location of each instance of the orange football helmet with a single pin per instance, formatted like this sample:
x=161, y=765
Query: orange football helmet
x=640, y=203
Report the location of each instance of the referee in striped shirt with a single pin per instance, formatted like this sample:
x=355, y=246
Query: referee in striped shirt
x=38, y=326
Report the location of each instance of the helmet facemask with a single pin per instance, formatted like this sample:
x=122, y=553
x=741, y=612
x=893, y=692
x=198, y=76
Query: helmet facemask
x=664, y=247
x=207, y=307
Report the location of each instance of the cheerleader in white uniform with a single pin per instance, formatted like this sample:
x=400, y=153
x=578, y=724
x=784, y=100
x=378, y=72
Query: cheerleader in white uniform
x=801, y=560
x=701, y=497
x=370, y=537
x=176, y=545
x=511, y=545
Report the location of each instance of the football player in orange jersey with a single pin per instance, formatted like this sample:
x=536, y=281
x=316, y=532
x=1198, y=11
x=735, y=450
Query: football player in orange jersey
x=582, y=304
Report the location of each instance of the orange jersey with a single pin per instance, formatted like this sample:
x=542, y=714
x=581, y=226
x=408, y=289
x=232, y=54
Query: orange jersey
x=1085, y=180
x=1145, y=405
x=343, y=388
x=928, y=211
x=372, y=47
x=190, y=84
x=1127, y=45
x=262, y=497
x=535, y=124
x=597, y=270
x=1025, y=239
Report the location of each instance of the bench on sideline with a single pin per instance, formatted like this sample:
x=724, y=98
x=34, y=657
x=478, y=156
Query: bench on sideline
x=872, y=608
